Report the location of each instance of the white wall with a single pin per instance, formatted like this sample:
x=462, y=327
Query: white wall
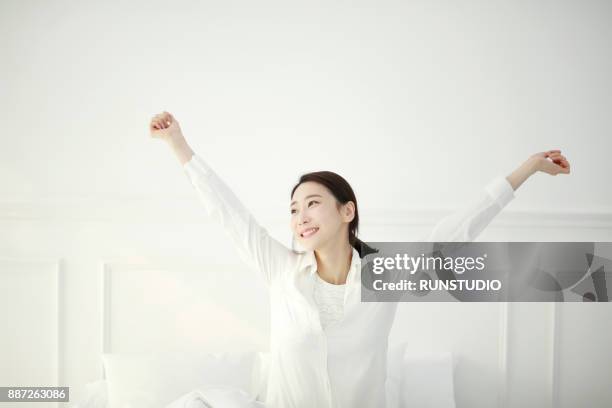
x=417, y=104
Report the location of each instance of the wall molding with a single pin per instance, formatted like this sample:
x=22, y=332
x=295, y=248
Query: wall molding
x=555, y=353
x=189, y=209
x=104, y=297
x=504, y=322
x=57, y=267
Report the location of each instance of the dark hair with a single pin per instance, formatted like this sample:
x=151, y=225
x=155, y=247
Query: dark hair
x=342, y=191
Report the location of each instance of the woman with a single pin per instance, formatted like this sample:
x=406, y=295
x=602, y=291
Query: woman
x=327, y=348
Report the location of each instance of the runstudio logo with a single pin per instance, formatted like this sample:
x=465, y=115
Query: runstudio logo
x=474, y=271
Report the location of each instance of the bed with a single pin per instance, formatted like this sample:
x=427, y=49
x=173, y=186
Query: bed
x=237, y=379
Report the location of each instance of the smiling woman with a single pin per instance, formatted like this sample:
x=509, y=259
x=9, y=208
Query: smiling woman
x=325, y=219
x=327, y=348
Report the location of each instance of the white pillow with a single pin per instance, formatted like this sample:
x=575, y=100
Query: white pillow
x=138, y=380
x=427, y=380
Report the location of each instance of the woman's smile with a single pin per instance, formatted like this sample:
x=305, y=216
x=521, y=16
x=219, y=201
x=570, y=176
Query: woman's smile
x=309, y=232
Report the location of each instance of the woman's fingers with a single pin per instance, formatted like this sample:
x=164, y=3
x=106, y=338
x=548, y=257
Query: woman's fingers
x=157, y=124
x=550, y=153
x=558, y=158
x=556, y=164
x=165, y=118
x=161, y=121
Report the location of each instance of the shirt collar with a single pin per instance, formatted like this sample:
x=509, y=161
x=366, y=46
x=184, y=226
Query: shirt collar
x=309, y=263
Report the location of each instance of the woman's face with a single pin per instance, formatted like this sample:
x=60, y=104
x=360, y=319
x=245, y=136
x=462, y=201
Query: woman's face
x=315, y=217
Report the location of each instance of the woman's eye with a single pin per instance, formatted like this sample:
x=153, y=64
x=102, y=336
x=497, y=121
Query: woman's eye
x=310, y=202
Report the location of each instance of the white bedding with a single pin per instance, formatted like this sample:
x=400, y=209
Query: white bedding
x=236, y=380
x=216, y=397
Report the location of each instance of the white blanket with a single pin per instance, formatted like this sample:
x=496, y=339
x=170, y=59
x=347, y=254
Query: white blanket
x=220, y=397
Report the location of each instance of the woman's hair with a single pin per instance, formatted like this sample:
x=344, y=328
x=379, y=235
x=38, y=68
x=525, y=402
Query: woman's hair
x=343, y=193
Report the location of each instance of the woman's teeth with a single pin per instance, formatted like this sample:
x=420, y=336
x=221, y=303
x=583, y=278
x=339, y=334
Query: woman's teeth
x=309, y=232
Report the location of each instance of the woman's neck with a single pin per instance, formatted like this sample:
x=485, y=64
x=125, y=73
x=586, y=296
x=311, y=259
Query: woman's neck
x=334, y=262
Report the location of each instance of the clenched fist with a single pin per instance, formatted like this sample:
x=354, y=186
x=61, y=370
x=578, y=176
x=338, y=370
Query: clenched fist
x=163, y=126
x=550, y=161
x=557, y=164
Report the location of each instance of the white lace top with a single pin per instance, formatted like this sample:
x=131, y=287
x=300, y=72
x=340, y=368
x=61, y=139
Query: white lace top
x=330, y=301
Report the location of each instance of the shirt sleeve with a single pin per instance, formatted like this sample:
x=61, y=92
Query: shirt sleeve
x=254, y=244
x=467, y=223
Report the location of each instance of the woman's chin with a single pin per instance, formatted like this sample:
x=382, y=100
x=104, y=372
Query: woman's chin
x=308, y=244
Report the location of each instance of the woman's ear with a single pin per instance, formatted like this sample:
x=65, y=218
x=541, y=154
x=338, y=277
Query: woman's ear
x=348, y=211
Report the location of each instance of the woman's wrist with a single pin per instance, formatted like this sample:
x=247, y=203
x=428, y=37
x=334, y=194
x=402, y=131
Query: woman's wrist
x=522, y=173
x=181, y=148
x=531, y=166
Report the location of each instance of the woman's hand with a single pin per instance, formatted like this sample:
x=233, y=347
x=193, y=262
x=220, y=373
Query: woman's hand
x=551, y=162
x=557, y=163
x=163, y=126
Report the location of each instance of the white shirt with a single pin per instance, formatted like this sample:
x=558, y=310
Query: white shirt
x=329, y=298
x=344, y=366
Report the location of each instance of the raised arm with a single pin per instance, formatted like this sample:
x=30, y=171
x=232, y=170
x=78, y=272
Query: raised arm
x=254, y=244
x=466, y=224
